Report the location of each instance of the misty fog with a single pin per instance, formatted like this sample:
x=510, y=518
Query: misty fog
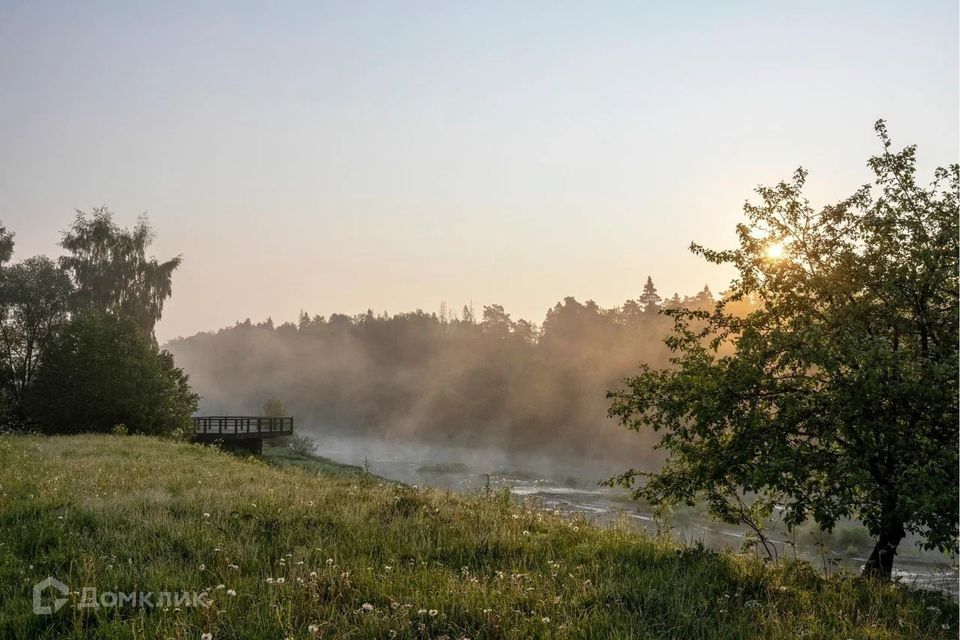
x=450, y=378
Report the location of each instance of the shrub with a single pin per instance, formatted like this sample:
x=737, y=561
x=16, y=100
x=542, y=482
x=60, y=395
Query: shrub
x=302, y=445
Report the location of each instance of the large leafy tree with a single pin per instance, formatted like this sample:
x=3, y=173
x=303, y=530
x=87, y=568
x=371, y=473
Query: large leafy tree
x=34, y=296
x=111, y=270
x=837, y=396
x=101, y=371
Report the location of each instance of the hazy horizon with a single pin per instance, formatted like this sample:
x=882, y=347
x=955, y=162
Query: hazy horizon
x=339, y=157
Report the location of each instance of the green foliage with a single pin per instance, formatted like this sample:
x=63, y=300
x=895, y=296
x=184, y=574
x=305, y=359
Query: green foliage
x=111, y=270
x=302, y=445
x=6, y=245
x=837, y=395
x=103, y=370
x=34, y=298
x=280, y=549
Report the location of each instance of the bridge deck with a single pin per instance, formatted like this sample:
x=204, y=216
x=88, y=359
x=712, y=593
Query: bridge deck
x=211, y=428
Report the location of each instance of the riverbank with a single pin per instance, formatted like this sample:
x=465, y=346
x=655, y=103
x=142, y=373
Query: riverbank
x=284, y=552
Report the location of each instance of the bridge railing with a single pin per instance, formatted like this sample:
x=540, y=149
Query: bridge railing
x=235, y=425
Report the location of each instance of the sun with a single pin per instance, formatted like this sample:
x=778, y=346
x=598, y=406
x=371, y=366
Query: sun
x=776, y=251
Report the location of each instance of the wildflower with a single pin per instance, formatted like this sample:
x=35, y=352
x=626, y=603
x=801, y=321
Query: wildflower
x=235, y=567
x=203, y=567
x=221, y=586
x=545, y=620
x=366, y=606
x=231, y=592
x=281, y=580
x=313, y=629
x=206, y=515
x=329, y=561
x=525, y=532
x=269, y=580
x=420, y=612
x=432, y=613
x=313, y=574
x=206, y=636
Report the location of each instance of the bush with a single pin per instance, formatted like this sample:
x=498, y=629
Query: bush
x=302, y=445
x=102, y=371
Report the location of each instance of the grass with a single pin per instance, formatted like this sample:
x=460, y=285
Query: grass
x=444, y=468
x=283, y=456
x=289, y=553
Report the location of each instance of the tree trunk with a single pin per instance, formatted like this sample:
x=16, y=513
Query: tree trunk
x=880, y=563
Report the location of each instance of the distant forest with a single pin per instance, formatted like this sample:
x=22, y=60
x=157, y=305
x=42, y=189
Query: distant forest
x=444, y=377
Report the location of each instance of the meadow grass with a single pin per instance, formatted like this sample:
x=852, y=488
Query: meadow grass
x=282, y=456
x=289, y=553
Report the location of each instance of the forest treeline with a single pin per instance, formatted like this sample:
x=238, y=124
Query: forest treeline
x=472, y=378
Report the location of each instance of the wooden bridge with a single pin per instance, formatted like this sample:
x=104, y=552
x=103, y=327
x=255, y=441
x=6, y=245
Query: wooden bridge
x=243, y=432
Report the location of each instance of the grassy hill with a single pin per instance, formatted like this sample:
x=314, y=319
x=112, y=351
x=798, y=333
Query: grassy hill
x=291, y=553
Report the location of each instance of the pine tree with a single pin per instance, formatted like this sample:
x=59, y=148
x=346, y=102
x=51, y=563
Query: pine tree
x=650, y=300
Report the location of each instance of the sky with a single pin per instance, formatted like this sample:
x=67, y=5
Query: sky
x=340, y=156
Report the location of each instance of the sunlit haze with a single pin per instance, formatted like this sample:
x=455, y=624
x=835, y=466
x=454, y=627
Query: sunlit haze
x=335, y=157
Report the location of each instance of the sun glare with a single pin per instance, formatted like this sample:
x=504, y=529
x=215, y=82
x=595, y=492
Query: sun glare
x=776, y=251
